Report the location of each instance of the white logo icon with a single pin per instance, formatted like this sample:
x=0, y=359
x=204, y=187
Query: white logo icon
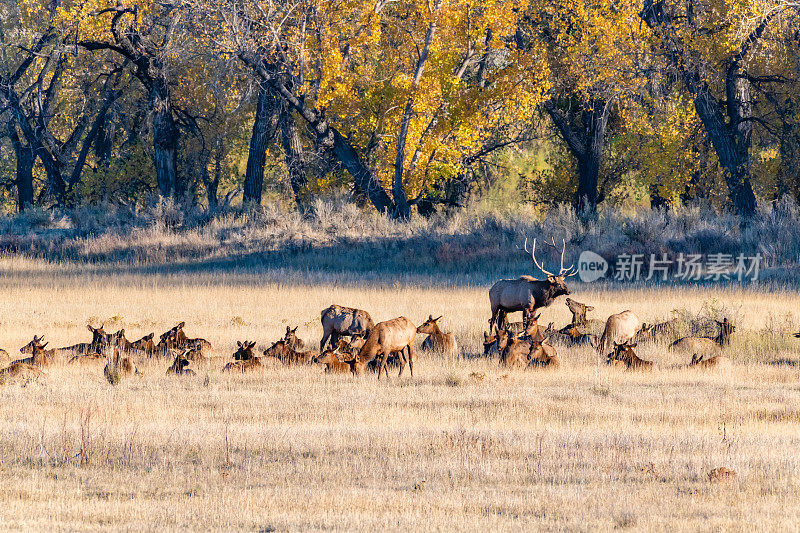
x=591, y=266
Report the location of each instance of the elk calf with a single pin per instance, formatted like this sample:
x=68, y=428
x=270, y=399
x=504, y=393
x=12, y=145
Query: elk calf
x=179, y=365
x=20, y=370
x=625, y=353
x=332, y=363
x=543, y=355
x=243, y=366
x=437, y=341
x=712, y=362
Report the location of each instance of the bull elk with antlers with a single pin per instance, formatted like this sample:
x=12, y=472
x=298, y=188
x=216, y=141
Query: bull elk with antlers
x=526, y=293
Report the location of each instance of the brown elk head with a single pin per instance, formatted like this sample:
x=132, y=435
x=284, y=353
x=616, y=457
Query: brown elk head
x=328, y=356
x=578, y=311
x=503, y=337
x=623, y=352
x=430, y=327
x=558, y=285
x=34, y=346
x=278, y=349
x=244, y=351
x=98, y=334
x=488, y=342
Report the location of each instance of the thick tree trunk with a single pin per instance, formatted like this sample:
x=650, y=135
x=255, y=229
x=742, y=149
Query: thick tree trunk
x=263, y=135
x=165, y=138
x=25, y=159
x=293, y=153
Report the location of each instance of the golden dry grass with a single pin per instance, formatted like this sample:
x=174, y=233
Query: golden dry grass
x=463, y=445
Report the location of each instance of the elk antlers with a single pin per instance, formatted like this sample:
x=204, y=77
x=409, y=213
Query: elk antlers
x=566, y=272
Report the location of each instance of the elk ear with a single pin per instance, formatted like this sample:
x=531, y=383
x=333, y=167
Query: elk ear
x=121, y=333
x=181, y=324
x=252, y=344
x=90, y=328
x=239, y=344
x=437, y=319
x=45, y=344
x=149, y=337
x=295, y=329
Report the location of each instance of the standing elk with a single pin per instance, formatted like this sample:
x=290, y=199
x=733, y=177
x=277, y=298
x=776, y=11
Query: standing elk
x=338, y=321
x=437, y=341
x=706, y=344
x=620, y=328
x=526, y=293
x=396, y=335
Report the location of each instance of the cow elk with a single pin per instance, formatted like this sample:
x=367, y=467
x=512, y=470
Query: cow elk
x=179, y=365
x=579, y=311
x=19, y=370
x=249, y=365
x=338, y=321
x=285, y=354
x=526, y=293
x=244, y=350
x=145, y=344
x=543, y=355
x=291, y=338
x=490, y=345
x=620, y=329
x=437, y=340
x=718, y=361
x=706, y=344
x=624, y=352
x=118, y=367
x=658, y=332
x=99, y=336
x=396, y=335
x=574, y=337
x=333, y=364
x=39, y=355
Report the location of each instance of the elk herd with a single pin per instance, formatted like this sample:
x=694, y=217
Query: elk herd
x=352, y=343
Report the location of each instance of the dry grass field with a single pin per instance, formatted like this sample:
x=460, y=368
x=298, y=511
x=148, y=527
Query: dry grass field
x=464, y=445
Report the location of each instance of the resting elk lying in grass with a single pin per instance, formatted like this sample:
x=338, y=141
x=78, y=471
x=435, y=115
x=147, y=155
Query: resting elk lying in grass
x=543, y=355
x=248, y=365
x=579, y=319
x=39, y=356
x=396, y=335
x=145, y=344
x=625, y=354
x=99, y=336
x=19, y=370
x=118, y=367
x=437, y=340
x=244, y=350
x=717, y=361
x=285, y=354
x=179, y=365
x=573, y=336
x=706, y=344
x=175, y=338
x=338, y=321
x=657, y=332
x=490, y=345
x=294, y=342
x=332, y=362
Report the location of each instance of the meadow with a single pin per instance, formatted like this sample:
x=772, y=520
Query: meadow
x=463, y=445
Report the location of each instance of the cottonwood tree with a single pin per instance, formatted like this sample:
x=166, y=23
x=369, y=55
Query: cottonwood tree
x=401, y=93
x=721, y=52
